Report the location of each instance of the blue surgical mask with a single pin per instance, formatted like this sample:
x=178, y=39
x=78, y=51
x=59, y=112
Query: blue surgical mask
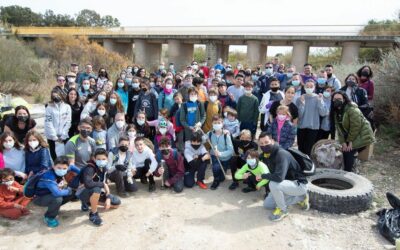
x=86, y=87
x=113, y=101
x=60, y=172
x=128, y=81
x=309, y=91
x=101, y=163
x=135, y=85
x=254, y=78
x=327, y=94
x=289, y=74
x=321, y=81
x=121, y=85
x=295, y=83
x=101, y=98
x=251, y=162
x=268, y=71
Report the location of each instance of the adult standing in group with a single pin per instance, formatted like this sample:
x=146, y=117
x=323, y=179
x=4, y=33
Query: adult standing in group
x=288, y=100
x=61, y=87
x=307, y=73
x=57, y=122
x=116, y=131
x=365, y=74
x=354, y=131
x=87, y=74
x=76, y=110
x=332, y=80
x=20, y=124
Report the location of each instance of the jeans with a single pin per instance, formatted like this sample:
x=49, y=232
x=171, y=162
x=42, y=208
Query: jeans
x=141, y=172
x=284, y=194
x=216, y=168
x=194, y=166
x=52, y=147
x=349, y=158
x=121, y=182
x=52, y=203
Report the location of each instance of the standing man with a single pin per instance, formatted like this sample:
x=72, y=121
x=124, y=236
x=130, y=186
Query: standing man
x=332, y=81
x=87, y=74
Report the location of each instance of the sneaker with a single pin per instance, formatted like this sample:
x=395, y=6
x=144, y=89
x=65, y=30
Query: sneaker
x=84, y=207
x=51, y=222
x=152, y=187
x=248, y=189
x=234, y=185
x=214, y=185
x=143, y=180
x=305, y=204
x=201, y=185
x=95, y=219
x=278, y=214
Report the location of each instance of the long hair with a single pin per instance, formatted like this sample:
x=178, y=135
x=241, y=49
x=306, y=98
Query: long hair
x=22, y=107
x=3, y=137
x=334, y=112
x=38, y=136
x=371, y=74
x=125, y=88
x=118, y=105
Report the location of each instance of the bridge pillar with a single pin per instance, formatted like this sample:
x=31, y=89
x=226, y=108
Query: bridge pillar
x=179, y=53
x=256, y=52
x=223, y=52
x=147, y=54
x=125, y=49
x=300, y=54
x=350, y=52
x=215, y=50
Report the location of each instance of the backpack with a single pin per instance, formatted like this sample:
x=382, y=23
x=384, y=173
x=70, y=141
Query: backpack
x=389, y=219
x=31, y=184
x=159, y=156
x=306, y=164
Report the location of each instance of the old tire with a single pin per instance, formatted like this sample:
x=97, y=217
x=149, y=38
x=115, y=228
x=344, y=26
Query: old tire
x=337, y=191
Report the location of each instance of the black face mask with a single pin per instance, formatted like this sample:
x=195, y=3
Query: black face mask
x=22, y=118
x=274, y=89
x=178, y=81
x=365, y=73
x=165, y=151
x=268, y=148
x=247, y=74
x=244, y=143
x=123, y=148
x=196, y=146
x=84, y=133
x=337, y=104
x=351, y=83
x=329, y=75
x=56, y=99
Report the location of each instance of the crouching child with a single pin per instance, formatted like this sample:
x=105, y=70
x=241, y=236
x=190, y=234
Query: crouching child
x=95, y=190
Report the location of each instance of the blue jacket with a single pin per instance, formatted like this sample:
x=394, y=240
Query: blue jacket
x=48, y=184
x=38, y=160
x=287, y=136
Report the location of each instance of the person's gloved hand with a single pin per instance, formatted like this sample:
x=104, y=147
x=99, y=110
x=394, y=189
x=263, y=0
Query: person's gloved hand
x=120, y=167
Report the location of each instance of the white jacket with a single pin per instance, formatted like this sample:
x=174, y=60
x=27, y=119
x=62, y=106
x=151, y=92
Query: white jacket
x=88, y=108
x=57, y=121
x=264, y=101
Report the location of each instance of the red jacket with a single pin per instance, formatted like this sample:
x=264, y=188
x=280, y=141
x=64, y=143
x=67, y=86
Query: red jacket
x=7, y=197
x=175, y=167
x=369, y=87
x=206, y=71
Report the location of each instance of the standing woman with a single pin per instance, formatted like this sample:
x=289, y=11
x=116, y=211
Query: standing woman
x=20, y=123
x=288, y=100
x=13, y=154
x=365, y=74
x=76, y=110
x=57, y=122
x=166, y=96
x=354, y=131
x=37, y=154
x=102, y=79
x=121, y=88
x=115, y=106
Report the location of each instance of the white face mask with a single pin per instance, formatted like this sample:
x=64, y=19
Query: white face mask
x=132, y=134
x=226, y=114
x=247, y=92
x=33, y=144
x=9, y=145
x=135, y=85
x=217, y=127
x=213, y=98
x=168, y=86
x=309, y=91
x=163, y=131
x=140, y=122
x=120, y=124
x=8, y=183
x=101, y=112
x=193, y=98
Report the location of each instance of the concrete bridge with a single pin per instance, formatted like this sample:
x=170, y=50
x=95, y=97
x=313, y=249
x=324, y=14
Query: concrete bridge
x=147, y=41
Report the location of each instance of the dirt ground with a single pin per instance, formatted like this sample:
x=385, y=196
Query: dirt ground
x=205, y=219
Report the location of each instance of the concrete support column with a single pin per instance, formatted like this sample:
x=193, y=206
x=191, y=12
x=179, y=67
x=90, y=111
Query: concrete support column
x=179, y=53
x=256, y=53
x=300, y=54
x=350, y=52
x=211, y=53
x=125, y=49
x=223, y=52
x=147, y=54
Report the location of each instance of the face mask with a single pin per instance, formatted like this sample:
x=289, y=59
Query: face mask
x=101, y=163
x=121, y=85
x=84, y=133
x=321, y=81
x=295, y=83
x=248, y=92
x=8, y=183
x=351, y=84
x=268, y=71
x=281, y=117
x=244, y=143
x=171, y=67
x=129, y=70
x=217, y=127
x=178, y=81
x=254, y=78
x=161, y=67
x=213, y=98
x=123, y=76
x=113, y=101
x=86, y=87
x=33, y=144
x=309, y=91
x=267, y=149
x=9, y=145
x=225, y=114
x=101, y=112
x=168, y=86
x=132, y=134
x=71, y=79
x=251, y=162
x=135, y=70
x=165, y=151
x=56, y=99
x=365, y=73
x=274, y=89
x=135, y=85
x=163, y=131
x=337, y=104
x=123, y=148
x=326, y=94
x=22, y=118
x=193, y=98
x=140, y=121
x=195, y=146
x=101, y=98
x=61, y=172
x=120, y=124
x=289, y=75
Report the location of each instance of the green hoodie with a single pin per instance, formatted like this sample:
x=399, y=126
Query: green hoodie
x=257, y=171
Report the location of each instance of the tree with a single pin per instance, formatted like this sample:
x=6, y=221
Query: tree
x=19, y=16
x=109, y=21
x=88, y=18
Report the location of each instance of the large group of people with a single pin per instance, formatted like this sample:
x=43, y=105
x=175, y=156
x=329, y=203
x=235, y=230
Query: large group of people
x=173, y=125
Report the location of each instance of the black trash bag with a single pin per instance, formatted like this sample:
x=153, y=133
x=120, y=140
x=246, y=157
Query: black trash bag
x=389, y=219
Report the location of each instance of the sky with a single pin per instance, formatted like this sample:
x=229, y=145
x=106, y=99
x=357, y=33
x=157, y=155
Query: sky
x=226, y=12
